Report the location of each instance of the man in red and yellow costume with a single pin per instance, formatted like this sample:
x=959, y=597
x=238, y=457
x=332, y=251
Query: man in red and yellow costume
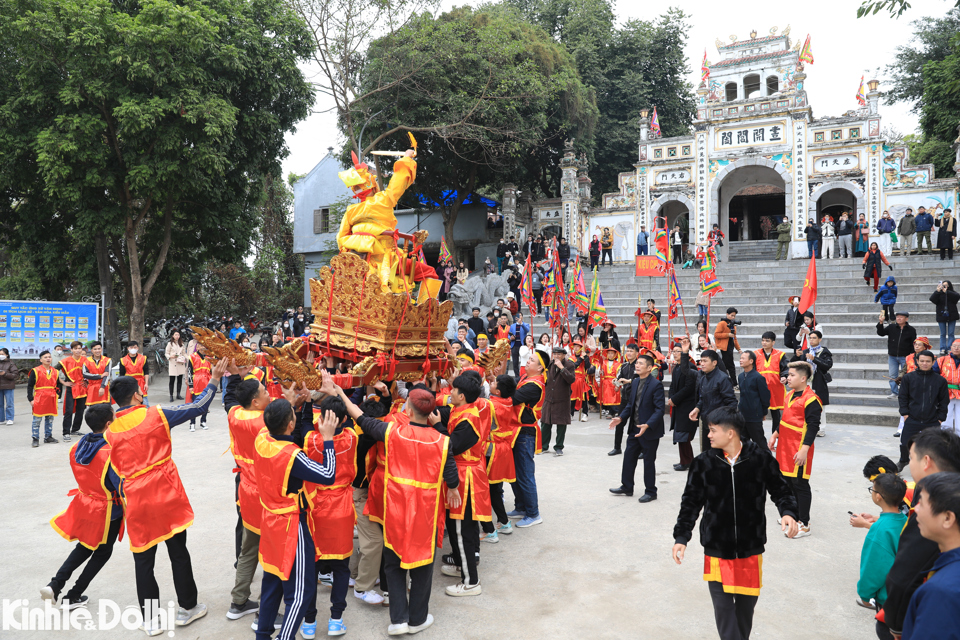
x=529, y=396
x=949, y=367
x=609, y=391
x=772, y=365
x=418, y=462
x=501, y=467
x=793, y=441
x=96, y=371
x=136, y=365
x=198, y=373
x=156, y=504
x=287, y=553
x=94, y=517
x=468, y=444
x=648, y=333
x=332, y=516
x=74, y=389
x=42, y=394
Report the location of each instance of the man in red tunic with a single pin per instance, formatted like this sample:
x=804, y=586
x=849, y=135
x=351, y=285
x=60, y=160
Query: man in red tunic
x=500, y=464
x=74, y=389
x=419, y=459
x=42, y=395
x=157, y=508
x=94, y=517
x=136, y=365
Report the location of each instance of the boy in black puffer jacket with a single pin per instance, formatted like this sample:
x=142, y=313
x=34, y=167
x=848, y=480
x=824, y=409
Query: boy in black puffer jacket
x=730, y=483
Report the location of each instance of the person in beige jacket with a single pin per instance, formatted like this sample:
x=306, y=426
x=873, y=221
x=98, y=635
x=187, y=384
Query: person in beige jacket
x=176, y=353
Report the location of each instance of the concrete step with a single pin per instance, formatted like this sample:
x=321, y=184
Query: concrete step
x=857, y=414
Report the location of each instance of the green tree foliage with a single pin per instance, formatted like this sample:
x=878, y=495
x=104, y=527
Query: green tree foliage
x=488, y=91
x=639, y=65
x=895, y=8
x=152, y=123
x=926, y=74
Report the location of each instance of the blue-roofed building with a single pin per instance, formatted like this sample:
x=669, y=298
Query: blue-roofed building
x=320, y=193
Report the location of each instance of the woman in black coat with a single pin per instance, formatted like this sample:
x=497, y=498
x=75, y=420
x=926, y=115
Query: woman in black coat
x=873, y=263
x=945, y=299
x=792, y=324
x=682, y=399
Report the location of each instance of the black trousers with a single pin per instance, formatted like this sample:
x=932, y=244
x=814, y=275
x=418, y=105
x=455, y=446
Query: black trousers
x=546, y=431
x=801, y=489
x=618, y=436
x=636, y=446
x=72, y=411
x=340, y=568
x=909, y=430
x=733, y=612
x=298, y=593
x=98, y=557
x=727, y=357
x=499, y=510
x=179, y=380
x=678, y=254
x=883, y=631
x=608, y=253
x=238, y=529
x=415, y=611
x=593, y=261
x=755, y=432
x=686, y=453
x=465, y=535
x=183, y=582
x=515, y=356
x=945, y=251
x=538, y=295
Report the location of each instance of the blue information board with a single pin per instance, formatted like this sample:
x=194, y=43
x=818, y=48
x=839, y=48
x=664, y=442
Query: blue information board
x=27, y=328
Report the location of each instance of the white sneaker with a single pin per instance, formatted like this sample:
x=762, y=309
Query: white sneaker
x=802, y=532
x=420, y=627
x=370, y=597
x=352, y=582
x=584, y=418
x=186, y=616
x=203, y=425
x=152, y=628
x=9, y=421
x=461, y=590
x=401, y=629
x=450, y=570
x=193, y=428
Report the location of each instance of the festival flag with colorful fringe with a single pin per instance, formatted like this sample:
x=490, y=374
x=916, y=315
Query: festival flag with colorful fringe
x=861, y=94
x=806, y=54
x=655, y=123
x=708, y=275
x=444, y=252
x=662, y=243
x=596, y=312
x=704, y=69
x=577, y=289
x=526, y=288
x=675, y=301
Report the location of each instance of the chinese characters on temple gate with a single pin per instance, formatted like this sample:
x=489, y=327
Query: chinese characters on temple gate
x=566, y=219
x=550, y=214
x=673, y=176
x=752, y=135
x=701, y=228
x=874, y=189
x=842, y=162
x=799, y=178
x=642, y=201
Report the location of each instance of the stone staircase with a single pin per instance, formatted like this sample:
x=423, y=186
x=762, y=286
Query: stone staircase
x=845, y=311
x=752, y=250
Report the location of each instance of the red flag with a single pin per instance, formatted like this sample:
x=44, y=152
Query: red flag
x=808, y=297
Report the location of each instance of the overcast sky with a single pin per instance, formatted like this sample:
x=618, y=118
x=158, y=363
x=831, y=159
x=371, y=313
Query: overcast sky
x=844, y=48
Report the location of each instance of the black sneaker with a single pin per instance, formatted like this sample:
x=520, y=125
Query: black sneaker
x=237, y=611
x=276, y=624
x=73, y=603
x=615, y=452
x=36, y=443
x=66, y=437
x=50, y=440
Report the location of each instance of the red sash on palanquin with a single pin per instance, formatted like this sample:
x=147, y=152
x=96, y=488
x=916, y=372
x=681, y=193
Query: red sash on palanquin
x=45, y=391
x=501, y=466
x=769, y=368
x=87, y=518
x=134, y=369
x=413, y=522
x=741, y=575
x=538, y=408
x=280, y=519
x=202, y=372
x=245, y=425
x=793, y=428
x=97, y=391
x=73, y=369
x=374, y=506
x=156, y=503
x=471, y=465
x=332, y=515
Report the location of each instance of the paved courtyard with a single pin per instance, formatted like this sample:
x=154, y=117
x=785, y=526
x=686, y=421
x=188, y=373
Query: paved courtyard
x=598, y=567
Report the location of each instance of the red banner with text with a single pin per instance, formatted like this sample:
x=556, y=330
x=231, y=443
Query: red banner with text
x=648, y=266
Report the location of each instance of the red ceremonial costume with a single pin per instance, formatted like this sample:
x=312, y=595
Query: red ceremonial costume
x=273, y=387
x=538, y=409
x=769, y=368
x=332, y=515
x=646, y=335
x=45, y=391
x=413, y=520
x=373, y=509
x=279, y=525
x=87, y=518
x=133, y=367
x=501, y=466
x=245, y=425
x=73, y=369
x=97, y=391
x=202, y=372
x=580, y=389
x=951, y=372
x=155, y=501
x=609, y=392
x=740, y=575
x=793, y=428
x=471, y=465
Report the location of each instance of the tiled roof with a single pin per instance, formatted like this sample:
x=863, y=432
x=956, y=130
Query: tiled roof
x=744, y=43
x=763, y=56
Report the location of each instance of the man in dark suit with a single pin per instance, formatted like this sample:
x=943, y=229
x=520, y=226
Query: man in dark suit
x=643, y=411
x=628, y=371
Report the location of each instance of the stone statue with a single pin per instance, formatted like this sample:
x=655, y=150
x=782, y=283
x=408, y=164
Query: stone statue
x=478, y=292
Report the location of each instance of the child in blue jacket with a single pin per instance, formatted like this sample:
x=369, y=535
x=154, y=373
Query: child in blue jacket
x=887, y=296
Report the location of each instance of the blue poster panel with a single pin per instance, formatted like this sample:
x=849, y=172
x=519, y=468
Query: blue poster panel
x=27, y=328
